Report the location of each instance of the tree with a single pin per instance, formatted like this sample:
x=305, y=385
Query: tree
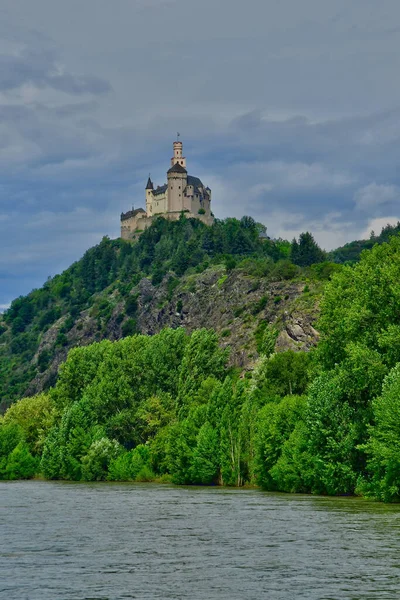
x=360, y=304
x=383, y=446
x=276, y=422
x=306, y=252
x=35, y=416
x=20, y=463
x=98, y=458
x=202, y=358
x=205, y=464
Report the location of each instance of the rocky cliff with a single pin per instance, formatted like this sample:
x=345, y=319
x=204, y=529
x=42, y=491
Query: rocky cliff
x=236, y=305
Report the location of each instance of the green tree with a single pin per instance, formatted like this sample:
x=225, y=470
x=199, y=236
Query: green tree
x=360, y=304
x=276, y=422
x=306, y=251
x=20, y=463
x=205, y=464
x=383, y=446
x=98, y=458
x=35, y=416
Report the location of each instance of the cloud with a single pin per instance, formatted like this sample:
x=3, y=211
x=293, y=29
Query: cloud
x=30, y=60
x=374, y=195
x=302, y=176
x=42, y=70
x=271, y=115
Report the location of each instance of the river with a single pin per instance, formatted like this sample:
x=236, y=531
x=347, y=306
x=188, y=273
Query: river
x=64, y=541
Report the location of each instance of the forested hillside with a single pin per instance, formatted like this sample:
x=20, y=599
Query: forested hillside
x=229, y=276
x=170, y=406
x=351, y=252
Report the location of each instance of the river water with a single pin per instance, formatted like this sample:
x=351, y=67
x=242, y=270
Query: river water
x=63, y=541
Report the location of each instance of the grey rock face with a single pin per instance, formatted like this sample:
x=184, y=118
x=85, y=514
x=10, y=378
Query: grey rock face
x=233, y=304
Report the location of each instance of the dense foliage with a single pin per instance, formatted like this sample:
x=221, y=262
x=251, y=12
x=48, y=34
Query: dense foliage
x=169, y=407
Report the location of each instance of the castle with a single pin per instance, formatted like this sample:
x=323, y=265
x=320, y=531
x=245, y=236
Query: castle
x=182, y=193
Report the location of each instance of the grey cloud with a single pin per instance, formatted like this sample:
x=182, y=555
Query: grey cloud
x=40, y=68
x=373, y=196
x=288, y=110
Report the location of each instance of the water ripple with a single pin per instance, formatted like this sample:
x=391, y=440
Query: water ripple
x=117, y=541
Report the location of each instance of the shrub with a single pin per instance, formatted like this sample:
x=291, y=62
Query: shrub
x=95, y=463
x=131, y=466
x=61, y=340
x=238, y=311
x=44, y=359
x=284, y=269
x=131, y=305
x=230, y=263
x=222, y=280
x=129, y=328
x=260, y=305
x=20, y=463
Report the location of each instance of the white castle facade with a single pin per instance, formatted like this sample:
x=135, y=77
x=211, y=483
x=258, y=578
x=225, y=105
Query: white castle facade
x=182, y=193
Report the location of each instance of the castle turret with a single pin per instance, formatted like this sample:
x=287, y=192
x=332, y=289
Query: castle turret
x=177, y=181
x=149, y=196
x=178, y=158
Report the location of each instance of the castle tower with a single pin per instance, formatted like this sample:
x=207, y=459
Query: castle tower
x=177, y=182
x=178, y=158
x=149, y=196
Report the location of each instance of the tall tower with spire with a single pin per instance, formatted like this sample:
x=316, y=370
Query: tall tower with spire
x=177, y=157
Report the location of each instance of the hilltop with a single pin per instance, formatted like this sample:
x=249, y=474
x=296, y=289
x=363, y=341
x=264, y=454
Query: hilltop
x=180, y=273
x=229, y=276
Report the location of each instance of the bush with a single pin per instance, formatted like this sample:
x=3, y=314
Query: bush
x=96, y=462
x=61, y=340
x=260, y=305
x=20, y=463
x=129, y=328
x=44, y=360
x=131, y=466
x=284, y=269
x=131, y=305
x=230, y=263
x=257, y=267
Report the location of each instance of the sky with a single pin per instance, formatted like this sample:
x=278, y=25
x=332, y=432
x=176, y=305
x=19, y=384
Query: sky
x=288, y=110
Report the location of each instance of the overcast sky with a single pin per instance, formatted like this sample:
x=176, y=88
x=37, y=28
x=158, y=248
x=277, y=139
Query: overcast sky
x=288, y=109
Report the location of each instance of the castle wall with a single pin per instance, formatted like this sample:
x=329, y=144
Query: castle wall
x=128, y=226
x=159, y=204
